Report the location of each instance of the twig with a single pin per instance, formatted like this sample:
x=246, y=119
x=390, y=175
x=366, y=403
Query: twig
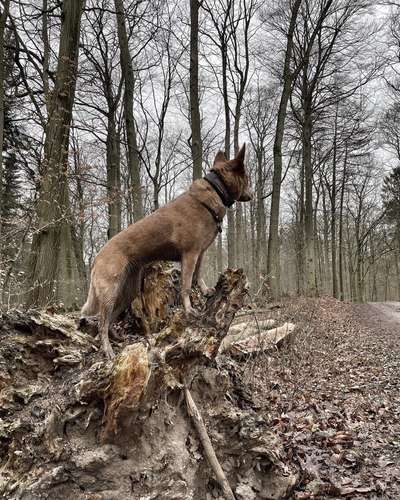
x=209, y=452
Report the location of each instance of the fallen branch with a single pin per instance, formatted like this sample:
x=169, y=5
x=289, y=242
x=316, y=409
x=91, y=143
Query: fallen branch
x=241, y=331
x=209, y=452
x=263, y=341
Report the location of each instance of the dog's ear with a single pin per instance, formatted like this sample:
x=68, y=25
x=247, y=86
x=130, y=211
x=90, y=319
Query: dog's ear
x=241, y=153
x=220, y=158
x=237, y=164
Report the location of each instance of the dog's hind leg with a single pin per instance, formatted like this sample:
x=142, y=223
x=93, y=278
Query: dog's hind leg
x=117, y=301
x=104, y=327
x=197, y=278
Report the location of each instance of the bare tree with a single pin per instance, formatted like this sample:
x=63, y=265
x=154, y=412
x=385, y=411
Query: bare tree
x=54, y=270
x=129, y=80
x=195, y=142
x=3, y=20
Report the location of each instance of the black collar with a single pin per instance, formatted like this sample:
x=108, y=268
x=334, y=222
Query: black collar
x=218, y=184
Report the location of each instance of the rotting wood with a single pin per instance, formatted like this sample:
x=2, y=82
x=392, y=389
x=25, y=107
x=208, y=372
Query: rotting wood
x=263, y=341
x=208, y=448
x=241, y=331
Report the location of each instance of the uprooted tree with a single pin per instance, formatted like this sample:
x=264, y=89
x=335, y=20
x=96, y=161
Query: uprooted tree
x=73, y=425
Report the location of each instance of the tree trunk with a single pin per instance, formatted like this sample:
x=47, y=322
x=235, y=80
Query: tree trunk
x=3, y=19
x=260, y=220
x=273, y=266
x=342, y=188
x=131, y=139
x=55, y=275
x=397, y=258
x=230, y=212
x=310, y=279
x=196, y=143
x=333, y=209
x=219, y=253
x=113, y=176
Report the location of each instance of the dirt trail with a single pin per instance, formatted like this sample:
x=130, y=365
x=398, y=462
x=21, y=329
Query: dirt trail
x=387, y=314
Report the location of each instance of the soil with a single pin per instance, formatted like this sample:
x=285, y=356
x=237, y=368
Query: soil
x=317, y=418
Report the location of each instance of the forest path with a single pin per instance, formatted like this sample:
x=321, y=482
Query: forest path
x=386, y=314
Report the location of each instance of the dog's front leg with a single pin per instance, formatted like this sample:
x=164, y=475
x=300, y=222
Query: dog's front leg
x=205, y=290
x=189, y=261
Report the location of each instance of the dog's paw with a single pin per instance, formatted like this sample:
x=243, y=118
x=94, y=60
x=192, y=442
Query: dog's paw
x=108, y=351
x=209, y=292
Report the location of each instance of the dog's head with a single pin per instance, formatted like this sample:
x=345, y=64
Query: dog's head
x=233, y=172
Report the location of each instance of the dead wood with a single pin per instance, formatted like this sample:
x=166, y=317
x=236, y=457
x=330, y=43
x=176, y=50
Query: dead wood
x=240, y=331
x=262, y=341
x=209, y=452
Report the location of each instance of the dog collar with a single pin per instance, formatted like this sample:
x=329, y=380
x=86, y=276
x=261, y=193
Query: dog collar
x=218, y=184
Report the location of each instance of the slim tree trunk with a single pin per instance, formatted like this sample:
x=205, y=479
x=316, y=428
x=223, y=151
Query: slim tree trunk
x=231, y=214
x=308, y=213
x=219, y=254
x=273, y=266
x=333, y=209
x=260, y=220
x=300, y=238
x=342, y=189
x=326, y=240
x=131, y=138
x=55, y=272
x=113, y=176
x=3, y=19
x=397, y=258
x=196, y=143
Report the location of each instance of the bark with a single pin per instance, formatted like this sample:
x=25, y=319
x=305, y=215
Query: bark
x=340, y=249
x=130, y=126
x=260, y=243
x=273, y=264
x=227, y=141
x=55, y=274
x=3, y=19
x=309, y=250
x=300, y=237
x=333, y=208
x=46, y=54
x=113, y=175
x=196, y=143
x=325, y=271
x=219, y=253
x=397, y=258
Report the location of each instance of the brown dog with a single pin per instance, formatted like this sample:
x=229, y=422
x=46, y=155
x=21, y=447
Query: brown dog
x=181, y=231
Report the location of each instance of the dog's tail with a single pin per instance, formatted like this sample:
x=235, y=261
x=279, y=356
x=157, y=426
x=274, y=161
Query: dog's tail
x=91, y=306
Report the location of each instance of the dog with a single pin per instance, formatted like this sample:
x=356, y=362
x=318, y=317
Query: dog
x=180, y=231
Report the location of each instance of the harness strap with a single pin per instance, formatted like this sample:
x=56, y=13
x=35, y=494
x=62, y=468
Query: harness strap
x=217, y=219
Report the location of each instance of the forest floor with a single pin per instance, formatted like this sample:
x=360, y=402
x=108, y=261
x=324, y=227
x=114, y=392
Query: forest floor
x=332, y=395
